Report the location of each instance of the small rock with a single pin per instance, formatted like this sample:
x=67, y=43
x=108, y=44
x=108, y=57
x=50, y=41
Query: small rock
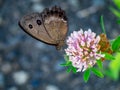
x=37, y=7
x=74, y=4
x=62, y=76
x=6, y=68
x=52, y=87
x=20, y=77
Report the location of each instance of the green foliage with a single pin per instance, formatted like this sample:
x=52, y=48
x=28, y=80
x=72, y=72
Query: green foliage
x=116, y=44
x=102, y=24
x=68, y=70
x=111, y=41
x=109, y=56
x=99, y=63
x=97, y=72
x=69, y=65
x=86, y=75
x=87, y=72
x=114, y=68
x=117, y=3
x=115, y=12
x=118, y=21
x=71, y=68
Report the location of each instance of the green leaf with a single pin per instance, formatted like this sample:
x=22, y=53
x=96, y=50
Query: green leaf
x=117, y=3
x=99, y=63
x=109, y=56
x=74, y=69
x=114, y=67
x=68, y=69
x=102, y=24
x=115, y=12
x=118, y=21
x=108, y=73
x=68, y=63
x=116, y=44
x=97, y=72
x=86, y=75
x=111, y=41
x=63, y=64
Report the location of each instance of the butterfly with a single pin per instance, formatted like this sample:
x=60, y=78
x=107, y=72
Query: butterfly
x=49, y=26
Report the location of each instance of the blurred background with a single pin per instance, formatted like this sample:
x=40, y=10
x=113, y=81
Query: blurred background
x=28, y=64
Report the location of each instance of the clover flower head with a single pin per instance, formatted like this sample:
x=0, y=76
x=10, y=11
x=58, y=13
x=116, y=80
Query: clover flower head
x=83, y=49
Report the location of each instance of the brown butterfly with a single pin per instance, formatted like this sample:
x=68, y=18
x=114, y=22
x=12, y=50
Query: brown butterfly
x=49, y=26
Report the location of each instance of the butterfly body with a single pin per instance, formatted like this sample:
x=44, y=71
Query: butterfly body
x=50, y=26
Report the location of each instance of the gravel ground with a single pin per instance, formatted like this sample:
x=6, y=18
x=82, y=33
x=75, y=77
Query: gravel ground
x=28, y=64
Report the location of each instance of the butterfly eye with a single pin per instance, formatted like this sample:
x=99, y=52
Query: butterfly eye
x=38, y=22
x=51, y=12
x=56, y=12
x=65, y=18
x=60, y=15
x=48, y=12
x=30, y=26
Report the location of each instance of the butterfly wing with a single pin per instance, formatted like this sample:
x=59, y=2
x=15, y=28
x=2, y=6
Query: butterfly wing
x=55, y=22
x=50, y=26
x=33, y=25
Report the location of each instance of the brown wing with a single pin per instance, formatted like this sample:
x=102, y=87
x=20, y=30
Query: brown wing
x=55, y=22
x=33, y=25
